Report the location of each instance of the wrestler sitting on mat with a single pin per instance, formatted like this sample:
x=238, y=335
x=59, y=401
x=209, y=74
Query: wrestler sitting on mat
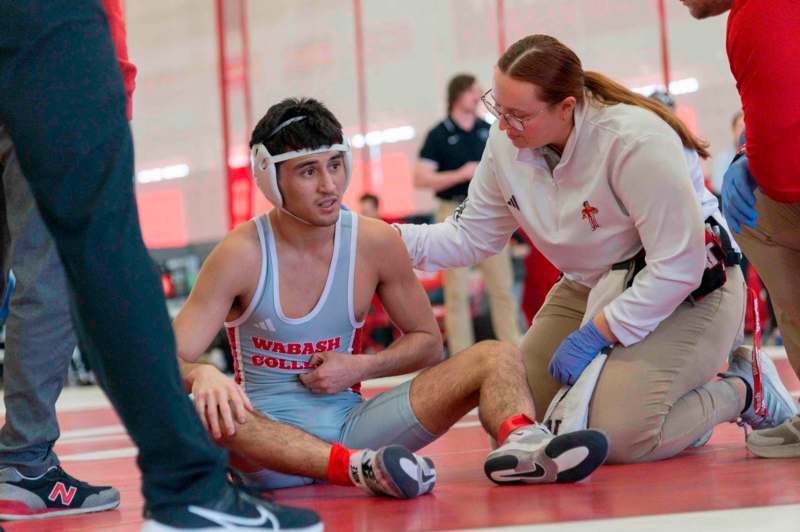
x=292, y=287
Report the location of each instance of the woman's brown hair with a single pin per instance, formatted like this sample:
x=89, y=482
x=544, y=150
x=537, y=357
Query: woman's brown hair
x=557, y=71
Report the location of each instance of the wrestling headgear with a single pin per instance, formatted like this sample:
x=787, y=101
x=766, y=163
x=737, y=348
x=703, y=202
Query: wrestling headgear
x=264, y=164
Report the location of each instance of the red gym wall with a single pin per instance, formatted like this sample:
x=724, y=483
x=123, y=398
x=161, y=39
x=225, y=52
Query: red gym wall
x=209, y=69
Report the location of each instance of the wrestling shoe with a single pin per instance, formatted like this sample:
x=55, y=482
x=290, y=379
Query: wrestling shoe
x=779, y=402
x=782, y=441
x=392, y=470
x=532, y=455
x=53, y=494
x=236, y=509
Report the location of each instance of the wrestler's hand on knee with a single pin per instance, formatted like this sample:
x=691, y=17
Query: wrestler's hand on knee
x=576, y=352
x=334, y=372
x=217, y=399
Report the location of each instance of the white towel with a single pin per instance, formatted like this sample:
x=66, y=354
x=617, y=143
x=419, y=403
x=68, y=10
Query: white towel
x=569, y=409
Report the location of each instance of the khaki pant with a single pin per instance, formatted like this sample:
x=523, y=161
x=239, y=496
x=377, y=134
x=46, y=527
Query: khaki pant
x=498, y=278
x=773, y=249
x=654, y=398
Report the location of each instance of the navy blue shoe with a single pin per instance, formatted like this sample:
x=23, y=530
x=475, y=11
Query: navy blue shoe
x=52, y=494
x=236, y=509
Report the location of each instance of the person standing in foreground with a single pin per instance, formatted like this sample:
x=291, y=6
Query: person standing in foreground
x=761, y=189
x=39, y=344
x=597, y=177
x=63, y=101
x=447, y=161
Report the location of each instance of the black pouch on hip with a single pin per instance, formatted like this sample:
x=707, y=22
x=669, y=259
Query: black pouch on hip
x=714, y=275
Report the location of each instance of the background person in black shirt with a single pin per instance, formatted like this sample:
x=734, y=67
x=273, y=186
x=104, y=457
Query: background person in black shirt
x=448, y=160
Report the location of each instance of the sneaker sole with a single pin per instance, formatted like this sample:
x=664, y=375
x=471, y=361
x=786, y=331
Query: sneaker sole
x=594, y=440
x=791, y=450
x=46, y=514
x=595, y=443
x=390, y=460
x=153, y=526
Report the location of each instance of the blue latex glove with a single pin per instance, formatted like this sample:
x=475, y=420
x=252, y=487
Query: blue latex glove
x=738, y=200
x=576, y=352
x=12, y=281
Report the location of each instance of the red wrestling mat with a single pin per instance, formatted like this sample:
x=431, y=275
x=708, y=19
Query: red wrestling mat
x=721, y=475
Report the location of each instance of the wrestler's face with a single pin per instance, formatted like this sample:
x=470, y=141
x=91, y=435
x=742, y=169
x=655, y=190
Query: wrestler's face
x=312, y=186
x=707, y=8
x=528, y=121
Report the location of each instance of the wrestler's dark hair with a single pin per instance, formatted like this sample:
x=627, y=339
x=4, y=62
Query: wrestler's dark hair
x=319, y=127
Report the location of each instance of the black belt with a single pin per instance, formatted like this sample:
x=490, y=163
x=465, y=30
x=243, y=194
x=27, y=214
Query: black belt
x=638, y=262
x=732, y=257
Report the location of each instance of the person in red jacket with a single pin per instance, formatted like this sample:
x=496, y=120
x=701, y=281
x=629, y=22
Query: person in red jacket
x=761, y=189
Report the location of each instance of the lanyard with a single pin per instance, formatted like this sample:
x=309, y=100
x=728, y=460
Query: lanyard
x=759, y=406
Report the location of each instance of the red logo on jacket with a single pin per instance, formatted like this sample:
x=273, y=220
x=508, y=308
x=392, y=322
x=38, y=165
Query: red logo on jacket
x=590, y=213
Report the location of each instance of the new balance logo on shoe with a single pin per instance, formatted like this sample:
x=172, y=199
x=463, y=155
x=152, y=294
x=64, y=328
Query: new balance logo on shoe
x=513, y=202
x=60, y=491
x=53, y=494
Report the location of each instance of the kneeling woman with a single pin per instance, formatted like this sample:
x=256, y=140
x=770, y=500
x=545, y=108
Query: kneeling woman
x=597, y=175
